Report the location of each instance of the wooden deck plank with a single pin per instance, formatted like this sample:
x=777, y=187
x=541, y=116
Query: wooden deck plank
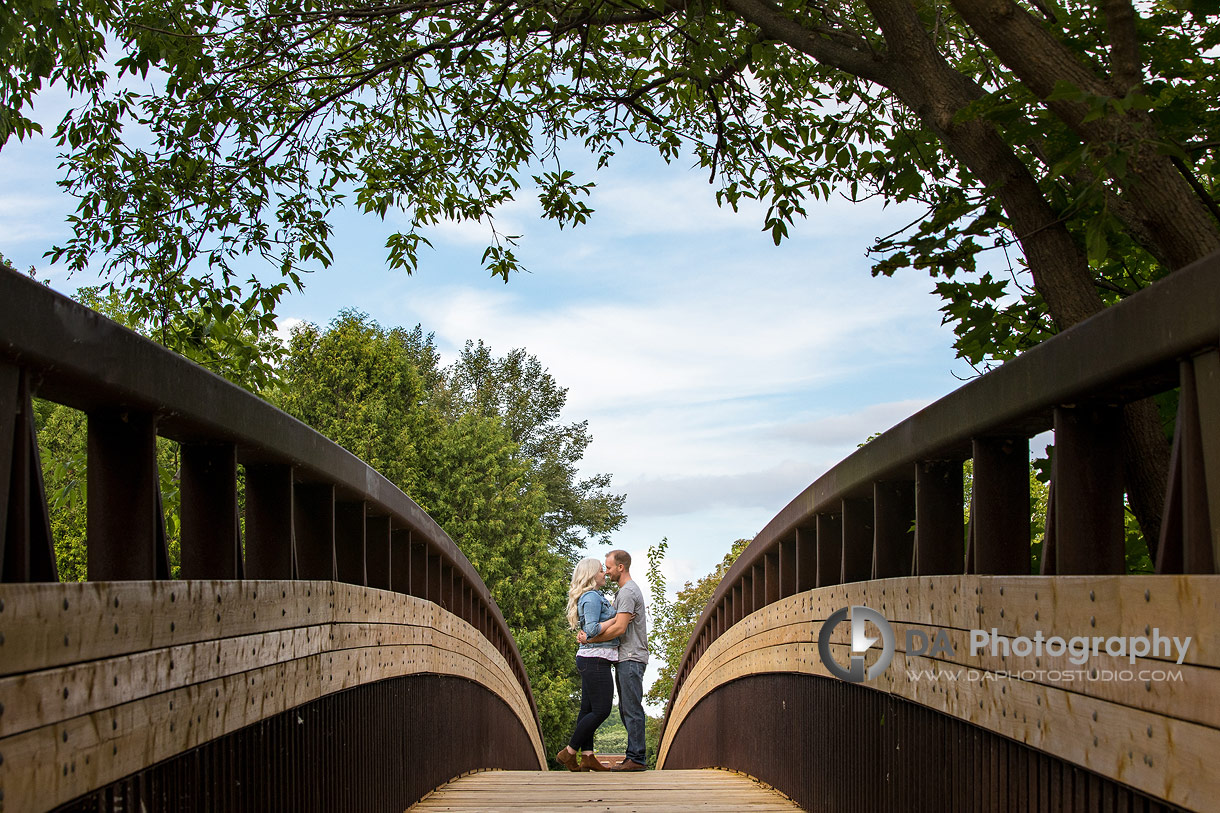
x=706, y=791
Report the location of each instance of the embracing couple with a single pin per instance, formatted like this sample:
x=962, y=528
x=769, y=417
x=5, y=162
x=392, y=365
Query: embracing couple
x=611, y=636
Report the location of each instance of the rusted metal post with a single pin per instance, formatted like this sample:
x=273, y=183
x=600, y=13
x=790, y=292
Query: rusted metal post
x=14, y=495
x=27, y=552
x=806, y=558
x=1000, y=512
x=419, y=568
x=1207, y=388
x=1186, y=541
x=1199, y=408
x=771, y=581
x=787, y=567
x=122, y=518
x=747, y=593
x=351, y=542
x=210, y=545
x=939, y=518
x=434, y=578
x=893, y=528
x=270, y=516
x=400, y=560
x=447, y=598
x=857, y=540
x=378, y=552
x=1087, y=472
x=314, y=521
x=830, y=549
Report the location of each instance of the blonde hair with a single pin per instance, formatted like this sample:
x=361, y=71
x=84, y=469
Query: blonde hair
x=584, y=579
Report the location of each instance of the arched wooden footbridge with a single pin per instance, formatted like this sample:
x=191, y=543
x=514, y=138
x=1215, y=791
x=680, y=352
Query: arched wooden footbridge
x=328, y=647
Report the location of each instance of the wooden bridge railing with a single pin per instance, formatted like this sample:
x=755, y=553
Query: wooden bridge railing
x=329, y=578
x=885, y=528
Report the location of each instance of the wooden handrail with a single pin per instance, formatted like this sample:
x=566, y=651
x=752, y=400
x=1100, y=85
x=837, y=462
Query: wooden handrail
x=314, y=509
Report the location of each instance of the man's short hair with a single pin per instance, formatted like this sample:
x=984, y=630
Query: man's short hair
x=621, y=557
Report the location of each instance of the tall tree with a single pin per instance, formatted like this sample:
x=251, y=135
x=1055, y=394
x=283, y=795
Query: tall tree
x=525, y=396
x=476, y=484
x=362, y=386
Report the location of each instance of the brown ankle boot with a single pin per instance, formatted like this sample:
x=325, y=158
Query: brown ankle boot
x=589, y=762
x=567, y=760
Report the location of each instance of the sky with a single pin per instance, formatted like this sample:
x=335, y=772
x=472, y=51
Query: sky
x=719, y=374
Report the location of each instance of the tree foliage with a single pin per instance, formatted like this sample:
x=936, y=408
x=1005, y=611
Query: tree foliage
x=48, y=42
x=1084, y=136
x=673, y=622
x=518, y=390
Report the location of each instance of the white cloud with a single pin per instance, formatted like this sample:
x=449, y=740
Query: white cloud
x=669, y=204
x=30, y=217
x=851, y=428
x=508, y=220
x=285, y=326
x=671, y=496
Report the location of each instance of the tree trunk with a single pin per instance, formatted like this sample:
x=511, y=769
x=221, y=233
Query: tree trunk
x=1146, y=468
x=1161, y=200
x=937, y=93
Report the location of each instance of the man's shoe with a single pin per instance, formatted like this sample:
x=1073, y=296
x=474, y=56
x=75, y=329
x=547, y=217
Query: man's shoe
x=589, y=762
x=568, y=761
x=629, y=765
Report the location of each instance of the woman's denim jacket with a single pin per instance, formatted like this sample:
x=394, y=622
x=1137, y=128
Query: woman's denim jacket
x=592, y=609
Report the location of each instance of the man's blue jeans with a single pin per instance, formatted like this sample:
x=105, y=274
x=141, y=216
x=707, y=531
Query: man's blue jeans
x=629, y=677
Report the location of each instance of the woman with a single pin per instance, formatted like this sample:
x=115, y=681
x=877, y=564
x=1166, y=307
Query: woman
x=587, y=608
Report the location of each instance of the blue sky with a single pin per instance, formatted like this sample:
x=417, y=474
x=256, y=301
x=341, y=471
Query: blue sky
x=719, y=374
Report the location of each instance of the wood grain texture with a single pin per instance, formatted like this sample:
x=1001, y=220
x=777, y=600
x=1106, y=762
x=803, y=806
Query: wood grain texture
x=101, y=679
x=1157, y=736
x=707, y=791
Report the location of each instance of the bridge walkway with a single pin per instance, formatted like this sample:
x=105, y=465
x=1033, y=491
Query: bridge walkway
x=705, y=791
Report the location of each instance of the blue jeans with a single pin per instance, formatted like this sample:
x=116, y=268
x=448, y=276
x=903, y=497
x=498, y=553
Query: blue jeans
x=629, y=677
x=596, y=696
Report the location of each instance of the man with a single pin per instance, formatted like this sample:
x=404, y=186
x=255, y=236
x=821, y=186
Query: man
x=631, y=623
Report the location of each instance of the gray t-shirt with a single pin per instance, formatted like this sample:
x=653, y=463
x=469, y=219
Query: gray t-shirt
x=634, y=643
